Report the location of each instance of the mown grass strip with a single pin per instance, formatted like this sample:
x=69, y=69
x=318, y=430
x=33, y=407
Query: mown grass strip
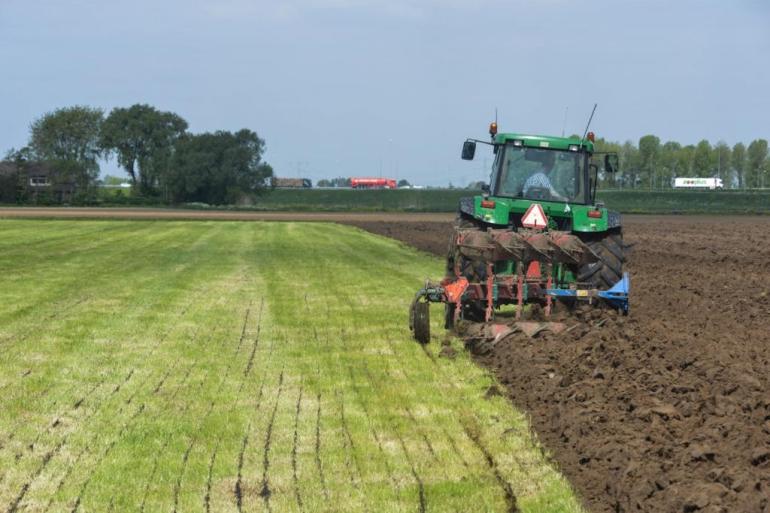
x=217, y=366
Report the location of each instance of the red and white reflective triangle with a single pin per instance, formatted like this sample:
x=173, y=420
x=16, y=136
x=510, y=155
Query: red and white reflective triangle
x=534, y=217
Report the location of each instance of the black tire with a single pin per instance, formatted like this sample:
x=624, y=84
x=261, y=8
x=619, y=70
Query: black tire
x=477, y=273
x=608, y=270
x=421, y=322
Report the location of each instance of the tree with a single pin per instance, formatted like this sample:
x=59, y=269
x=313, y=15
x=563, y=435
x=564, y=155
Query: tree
x=703, y=159
x=669, y=163
x=629, y=165
x=217, y=168
x=113, y=180
x=69, y=139
x=757, y=163
x=340, y=182
x=323, y=182
x=722, y=155
x=142, y=139
x=739, y=163
x=649, y=147
x=477, y=185
x=404, y=183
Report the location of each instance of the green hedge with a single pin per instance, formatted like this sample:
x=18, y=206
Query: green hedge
x=445, y=200
x=379, y=200
x=688, y=202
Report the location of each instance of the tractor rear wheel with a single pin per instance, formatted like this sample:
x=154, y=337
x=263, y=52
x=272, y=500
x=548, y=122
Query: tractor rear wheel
x=608, y=270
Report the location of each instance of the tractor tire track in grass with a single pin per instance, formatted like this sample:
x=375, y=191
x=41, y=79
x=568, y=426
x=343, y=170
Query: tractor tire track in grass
x=238, y=490
x=265, y=490
x=473, y=435
x=103, y=456
x=422, y=498
x=318, y=462
x=167, y=440
x=373, y=430
x=48, y=456
x=87, y=448
x=201, y=424
x=207, y=496
x=250, y=362
x=510, y=498
x=14, y=506
x=243, y=329
x=295, y=479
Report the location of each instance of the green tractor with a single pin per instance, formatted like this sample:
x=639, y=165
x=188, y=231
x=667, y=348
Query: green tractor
x=536, y=236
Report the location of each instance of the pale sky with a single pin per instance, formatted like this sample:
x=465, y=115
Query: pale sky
x=363, y=87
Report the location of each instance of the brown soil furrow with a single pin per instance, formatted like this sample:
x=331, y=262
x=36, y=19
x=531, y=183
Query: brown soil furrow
x=356, y=477
x=318, y=462
x=195, y=437
x=13, y=507
x=423, y=500
x=103, y=456
x=510, y=497
x=250, y=362
x=167, y=440
x=207, y=496
x=238, y=490
x=243, y=330
x=453, y=445
x=295, y=479
x=375, y=434
x=265, y=491
x=50, y=454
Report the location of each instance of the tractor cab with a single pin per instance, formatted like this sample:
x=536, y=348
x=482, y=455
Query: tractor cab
x=542, y=168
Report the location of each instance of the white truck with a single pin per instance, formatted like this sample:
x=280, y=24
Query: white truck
x=698, y=183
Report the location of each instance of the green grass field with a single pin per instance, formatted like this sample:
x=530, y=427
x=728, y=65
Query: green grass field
x=224, y=366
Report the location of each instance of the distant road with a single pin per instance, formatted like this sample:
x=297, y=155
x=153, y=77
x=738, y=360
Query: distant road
x=160, y=213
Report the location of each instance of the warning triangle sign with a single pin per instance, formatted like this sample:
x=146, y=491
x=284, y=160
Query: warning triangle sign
x=534, y=217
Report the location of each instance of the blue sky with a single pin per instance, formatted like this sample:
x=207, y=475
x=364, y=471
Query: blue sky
x=363, y=87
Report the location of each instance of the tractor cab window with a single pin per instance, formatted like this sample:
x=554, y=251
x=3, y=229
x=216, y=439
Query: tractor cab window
x=542, y=174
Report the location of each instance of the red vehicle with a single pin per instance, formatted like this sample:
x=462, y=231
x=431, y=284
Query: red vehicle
x=372, y=183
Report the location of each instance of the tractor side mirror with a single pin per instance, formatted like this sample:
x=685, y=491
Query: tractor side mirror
x=469, y=150
x=611, y=163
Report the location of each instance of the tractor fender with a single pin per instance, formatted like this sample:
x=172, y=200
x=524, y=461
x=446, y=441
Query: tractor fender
x=467, y=206
x=613, y=219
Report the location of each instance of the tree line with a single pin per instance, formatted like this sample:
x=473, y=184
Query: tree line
x=652, y=164
x=163, y=161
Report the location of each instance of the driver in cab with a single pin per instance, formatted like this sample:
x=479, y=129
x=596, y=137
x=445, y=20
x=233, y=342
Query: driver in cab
x=538, y=185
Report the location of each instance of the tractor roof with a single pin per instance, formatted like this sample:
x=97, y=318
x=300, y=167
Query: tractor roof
x=545, y=141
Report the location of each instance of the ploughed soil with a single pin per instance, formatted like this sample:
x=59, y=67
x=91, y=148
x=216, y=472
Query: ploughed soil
x=667, y=409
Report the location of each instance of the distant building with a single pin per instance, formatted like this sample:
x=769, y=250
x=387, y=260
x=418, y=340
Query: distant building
x=33, y=181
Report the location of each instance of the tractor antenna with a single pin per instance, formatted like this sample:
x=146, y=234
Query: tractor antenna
x=589, y=123
x=564, y=124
